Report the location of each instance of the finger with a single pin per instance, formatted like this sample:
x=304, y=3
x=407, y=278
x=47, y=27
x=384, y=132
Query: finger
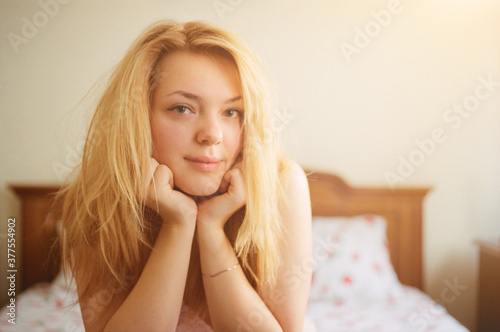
x=232, y=183
x=159, y=185
x=236, y=191
x=149, y=176
x=236, y=185
x=226, y=180
x=164, y=176
x=152, y=168
x=170, y=176
x=238, y=162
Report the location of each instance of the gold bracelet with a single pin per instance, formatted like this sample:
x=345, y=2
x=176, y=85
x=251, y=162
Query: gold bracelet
x=215, y=275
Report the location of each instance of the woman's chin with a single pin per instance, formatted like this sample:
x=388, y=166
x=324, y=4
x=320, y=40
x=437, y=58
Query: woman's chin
x=208, y=188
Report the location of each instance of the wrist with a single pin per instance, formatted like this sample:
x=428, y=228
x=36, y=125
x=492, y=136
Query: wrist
x=209, y=224
x=179, y=229
x=210, y=236
x=183, y=221
x=216, y=251
x=205, y=228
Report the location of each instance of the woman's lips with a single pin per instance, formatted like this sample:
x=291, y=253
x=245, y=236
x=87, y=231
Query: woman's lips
x=203, y=163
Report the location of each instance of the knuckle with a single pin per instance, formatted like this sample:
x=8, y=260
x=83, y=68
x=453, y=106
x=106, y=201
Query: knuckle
x=162, y=171
x=165, y=170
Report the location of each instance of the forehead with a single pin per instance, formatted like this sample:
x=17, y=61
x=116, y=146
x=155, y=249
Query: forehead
x=199, y=73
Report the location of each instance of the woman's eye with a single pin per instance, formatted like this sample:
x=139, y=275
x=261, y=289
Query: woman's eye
x=232, y=113
x=180, y=109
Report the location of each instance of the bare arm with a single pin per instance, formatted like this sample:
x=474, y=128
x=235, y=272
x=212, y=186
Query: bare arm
x=231, y=299
x=233, y=304
x=155, y=302
x=288, y=300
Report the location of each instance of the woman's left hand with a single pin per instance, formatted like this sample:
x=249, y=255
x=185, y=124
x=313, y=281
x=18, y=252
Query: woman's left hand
x=216, y=210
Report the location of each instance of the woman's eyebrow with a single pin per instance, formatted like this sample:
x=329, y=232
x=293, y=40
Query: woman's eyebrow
x=232, y=100
x=198, y=98
x=185, y=94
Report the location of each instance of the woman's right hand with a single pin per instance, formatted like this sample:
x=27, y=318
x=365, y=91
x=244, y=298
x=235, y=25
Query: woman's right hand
x=174, y=207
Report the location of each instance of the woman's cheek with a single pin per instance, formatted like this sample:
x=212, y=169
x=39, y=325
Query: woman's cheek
x=170, y=133
x=238, y=139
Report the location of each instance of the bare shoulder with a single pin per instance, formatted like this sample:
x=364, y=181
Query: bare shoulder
x=294, y=181
x=294, y=275
x=295, y=203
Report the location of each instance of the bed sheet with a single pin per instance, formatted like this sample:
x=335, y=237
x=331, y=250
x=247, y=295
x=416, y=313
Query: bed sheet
x=413, y=311
x=49, y=308
x=46, y=307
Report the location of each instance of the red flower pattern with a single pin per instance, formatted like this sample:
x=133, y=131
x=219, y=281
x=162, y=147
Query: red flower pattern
x=347, y=280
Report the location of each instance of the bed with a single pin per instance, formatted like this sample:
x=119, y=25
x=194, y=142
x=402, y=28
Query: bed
x=367, y=247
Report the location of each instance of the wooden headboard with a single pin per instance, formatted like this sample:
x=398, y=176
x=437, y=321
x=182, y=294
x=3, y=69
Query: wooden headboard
x=330, y=196
x=37, y=238
x=402, y=208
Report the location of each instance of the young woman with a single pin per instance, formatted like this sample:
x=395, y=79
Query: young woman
x=184, y=214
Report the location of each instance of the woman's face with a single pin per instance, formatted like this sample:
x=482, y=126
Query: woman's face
x=196, y=119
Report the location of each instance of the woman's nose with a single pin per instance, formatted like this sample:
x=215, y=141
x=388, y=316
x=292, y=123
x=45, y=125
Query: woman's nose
x=210, y=132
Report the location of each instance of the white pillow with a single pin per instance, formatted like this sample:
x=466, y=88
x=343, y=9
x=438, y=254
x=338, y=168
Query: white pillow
x=351, y=260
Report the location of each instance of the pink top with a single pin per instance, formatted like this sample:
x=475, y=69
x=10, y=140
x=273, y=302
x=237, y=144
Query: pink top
x=185, y=324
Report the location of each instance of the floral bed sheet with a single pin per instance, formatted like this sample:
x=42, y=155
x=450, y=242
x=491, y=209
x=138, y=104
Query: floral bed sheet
x=412, y=311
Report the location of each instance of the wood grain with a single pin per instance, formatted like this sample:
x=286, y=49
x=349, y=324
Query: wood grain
x=402, y=208
x=37, y=237
x=330, y=196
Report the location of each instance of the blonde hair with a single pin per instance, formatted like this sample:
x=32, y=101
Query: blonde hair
x=107, y=233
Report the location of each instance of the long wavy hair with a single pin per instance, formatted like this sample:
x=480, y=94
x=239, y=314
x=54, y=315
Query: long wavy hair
x=107, y=231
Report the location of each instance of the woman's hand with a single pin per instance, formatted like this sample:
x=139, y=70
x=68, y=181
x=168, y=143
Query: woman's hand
x=174, y=207
x=216, y=210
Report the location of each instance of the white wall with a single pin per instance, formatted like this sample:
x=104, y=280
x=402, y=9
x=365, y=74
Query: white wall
x=354, y=115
